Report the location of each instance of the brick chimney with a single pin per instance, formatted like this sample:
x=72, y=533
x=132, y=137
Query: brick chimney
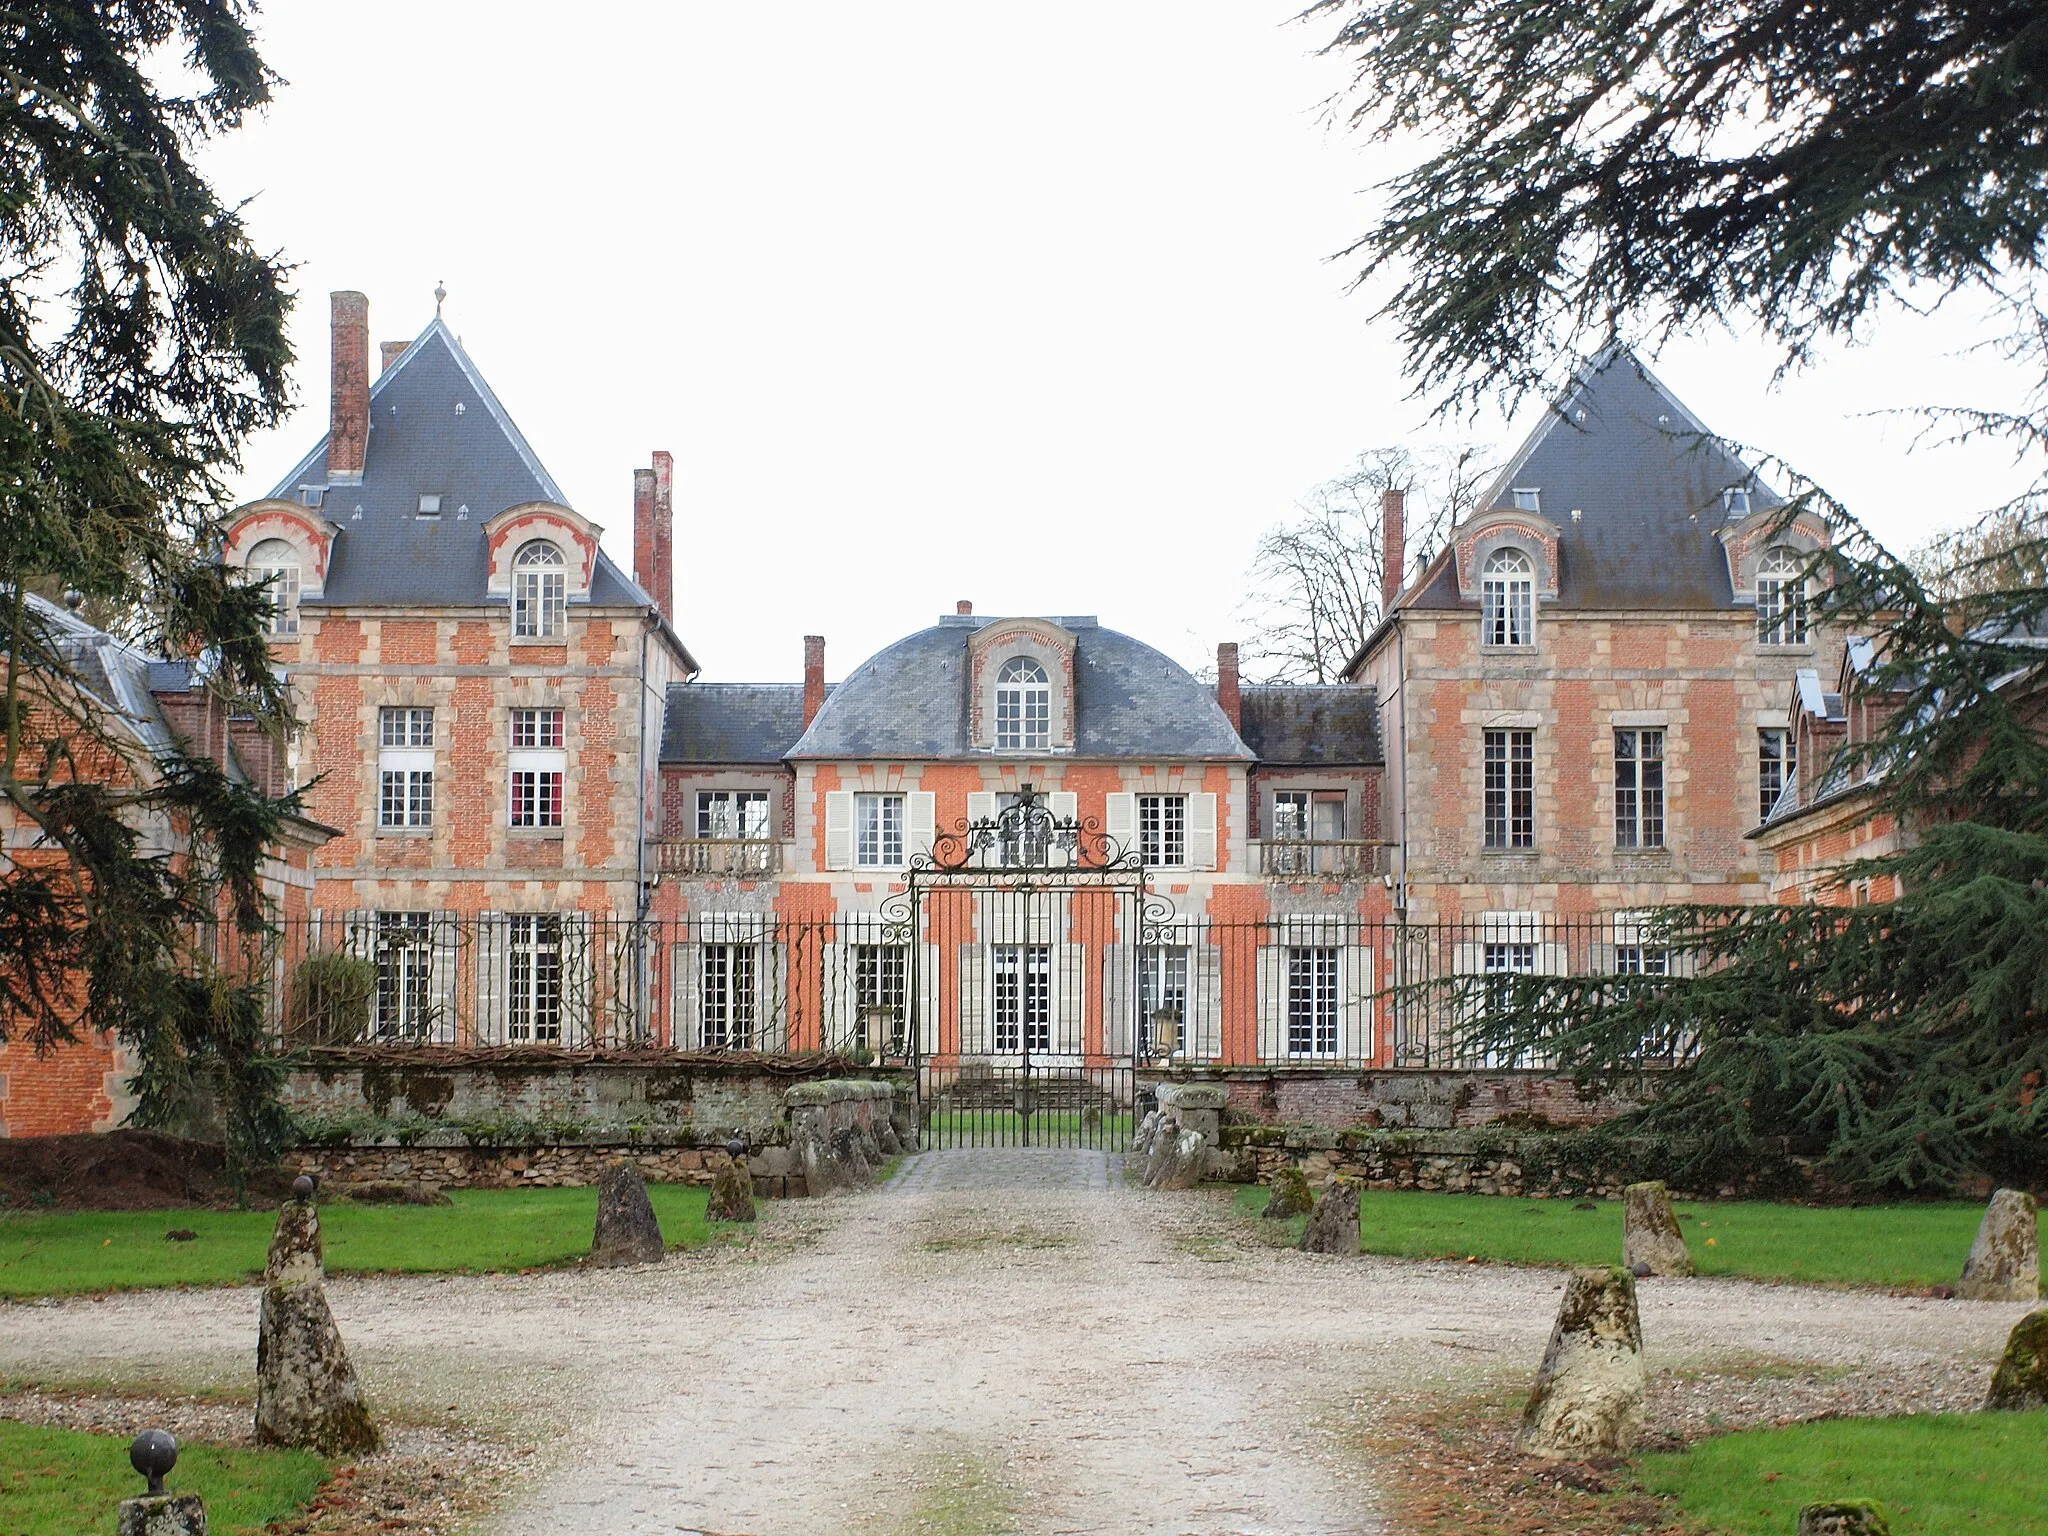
x=1393, y=547
x=1227, y=692
x=814, y=677
x=963, y=607
x=654, y=533
x=389, y=351
x=348, y=420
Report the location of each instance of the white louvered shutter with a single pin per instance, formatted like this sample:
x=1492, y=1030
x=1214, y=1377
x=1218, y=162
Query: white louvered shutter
x=1354, y=976
x=488, y=1025
x=1201, y=831
x=920, y=823
x=982, y=807
x=1120, y=823
x=839, y=829
x=1065, y=806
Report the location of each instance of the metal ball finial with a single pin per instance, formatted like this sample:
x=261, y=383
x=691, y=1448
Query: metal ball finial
x=302, y=1187
x=736, y=1148
x=72, y=598
x=153, y=1453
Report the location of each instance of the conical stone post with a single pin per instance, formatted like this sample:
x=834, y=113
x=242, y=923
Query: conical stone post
x=1333, y=1223
x=2021, y=1380
x=627, y=1232
x=2005, y=1260
x=1649, y=1232
x=1588, y=1398
x=1290, y=1195
x=732, y=1187
x=307, y=1393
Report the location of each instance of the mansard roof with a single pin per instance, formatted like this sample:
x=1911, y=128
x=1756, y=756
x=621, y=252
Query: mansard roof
x=1307, y=725
x=909, y=701
x=1633, y=482
x=731, y=722
x=435, y=428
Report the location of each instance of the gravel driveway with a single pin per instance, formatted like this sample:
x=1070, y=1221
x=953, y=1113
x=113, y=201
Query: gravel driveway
x=1006, y=1341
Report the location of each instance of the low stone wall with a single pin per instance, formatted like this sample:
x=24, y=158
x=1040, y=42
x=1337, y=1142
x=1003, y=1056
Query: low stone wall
x=1346, y=1098
x=551, y=1166
x=840, y=1131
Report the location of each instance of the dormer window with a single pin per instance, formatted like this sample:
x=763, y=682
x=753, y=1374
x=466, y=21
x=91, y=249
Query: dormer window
x=1507, y=594
x=1735, y=501
x=430, y=505
x=540, y=591
x=275, y=562
x=1528, y=499
x=1781, y=598
x=1023, y=707
x=309, y=495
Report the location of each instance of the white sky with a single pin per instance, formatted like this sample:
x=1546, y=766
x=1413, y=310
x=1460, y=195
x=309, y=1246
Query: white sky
x=1030, y=305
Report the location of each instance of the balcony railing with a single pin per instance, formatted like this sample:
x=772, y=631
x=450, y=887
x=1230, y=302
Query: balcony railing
x=1321, y=859
x=718, y=856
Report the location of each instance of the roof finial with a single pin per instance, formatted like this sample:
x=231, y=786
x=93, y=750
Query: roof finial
x=440, y=293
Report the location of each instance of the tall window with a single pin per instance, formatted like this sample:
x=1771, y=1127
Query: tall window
x=1777, y=764
x=1311, y=1000
x=534, y=974
x=1510, y=789
x=1507, y=596
x=276, y=562
x=1501, y=964
x=880, y=980
x=404, y=974
x=1639, y=789
x=1162, y=983
x=878, y=831
x=732, y=814
x=540, y=592
x=1022, y=844
x=1163, y=830
x=1781, y=598
x=1023, y=707
x=1023, y=997
x=405, y=767
x=730, y=998
x=538, y=767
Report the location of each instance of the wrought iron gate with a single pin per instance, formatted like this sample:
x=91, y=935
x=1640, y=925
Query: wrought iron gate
x=1037, y=980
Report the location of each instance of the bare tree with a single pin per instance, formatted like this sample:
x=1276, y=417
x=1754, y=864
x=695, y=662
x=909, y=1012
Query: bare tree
x=1317, y=577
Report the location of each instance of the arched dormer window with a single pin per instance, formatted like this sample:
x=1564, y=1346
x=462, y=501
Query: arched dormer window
x=1023, y=707
x=540, y=592
x=1507, y=594
x=276, y=561
x=1781, y=598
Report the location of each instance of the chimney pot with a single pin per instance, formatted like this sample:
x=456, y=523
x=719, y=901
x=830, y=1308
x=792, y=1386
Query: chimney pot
x=390, y=351
x=348, y=422
x=1228, y=692
x=1394, y=550
x=814, y=677
x=963, y=607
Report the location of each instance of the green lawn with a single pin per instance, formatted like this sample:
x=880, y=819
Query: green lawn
x=1889, y=1245
x=58, y=1482
x=1936, y=1474
x=46, y=1253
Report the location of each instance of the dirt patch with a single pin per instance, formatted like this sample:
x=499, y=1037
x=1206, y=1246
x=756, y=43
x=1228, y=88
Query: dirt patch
x=124, y=1171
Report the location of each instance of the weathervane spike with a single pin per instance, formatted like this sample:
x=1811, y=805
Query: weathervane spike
x=440, y=293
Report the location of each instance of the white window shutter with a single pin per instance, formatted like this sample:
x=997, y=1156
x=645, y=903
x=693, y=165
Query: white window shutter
x=920, y=823
x=488, y=1027
x=1065, y=806
x=1201, y=831
x=1354, y=1021
x=839, y=829
x=982, y=807
x=1120, y=823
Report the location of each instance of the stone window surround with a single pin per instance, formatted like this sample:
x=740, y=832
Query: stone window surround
x=1045, y=643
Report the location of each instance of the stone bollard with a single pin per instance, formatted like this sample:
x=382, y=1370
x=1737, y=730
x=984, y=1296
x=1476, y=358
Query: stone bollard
x=307, y=1394
x=1588, y=1398
x=732, y=1187
x=158, y=1513
x=1649, y=1232
x=1333, y=1223
x=1845, y=1517
x=1291, y=1195
x=2021, y=1380
x=627, y=1232
x=2005, y=1260
x=1178, y=1164
x=1148, y=1129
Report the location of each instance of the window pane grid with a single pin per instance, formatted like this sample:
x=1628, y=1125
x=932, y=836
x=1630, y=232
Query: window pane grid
x=1777, y=762
x=1639, y=789
x=406, y=797
x=535, y=976
x=1507, y=593
x=878, y=828
x=536, y=798
x=1162, y=983
x=1163, y=830
x=540, y=728
x=1312, y=1001
x=1510, y=810
x=880, y=980
x=1023, y=997
x=730, y=995
x=1023, y=707
x=732, y=814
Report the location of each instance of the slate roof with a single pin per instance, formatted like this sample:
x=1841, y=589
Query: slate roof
x=420, y=442
x=909, y=701
x=1301, y=725
x=731, y=722
x=1633, y=481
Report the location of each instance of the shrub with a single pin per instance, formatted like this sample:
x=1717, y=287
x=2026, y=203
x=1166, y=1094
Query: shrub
x=330, y=1000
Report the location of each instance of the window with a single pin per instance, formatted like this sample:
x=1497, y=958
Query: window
x=538, y=767
x=1163, y=830
x=1735, y=501
x=1502, y=963
x=534, y=944
x=1162, y=983
x=1311, y=1000
x=430, y=504
x=1642, y=960
x=1510, y=789
x=1290, y=816
x=1507, y=595
x=1639, y=789
x=732, y=814
x=1528, y=499
x=404, y=974
x=878, y=831
x=540, y=589
x=1023, y=997
x=1022, y=844
x=730, y=996
x=1777, y=764
x=405, y=767
x=275, y=563
x=880, y=980
x=1023, y=707
x=1781, y=598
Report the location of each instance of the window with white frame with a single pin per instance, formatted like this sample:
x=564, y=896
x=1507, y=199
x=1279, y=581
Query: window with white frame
x=1510, y=809
x=732, y=814
x=1638, y=789
x=1311, y=1000
x=534, y=977
x=878, y=831
x=1781, y=598
x=1163, y=830
x=1022, y=1001
x=538, y=767
x=405, y=767
x=1507, y=598
x=881, y=980
x=405, y=972
x=1528, y=498
x=1735, y=501
x=540, y=592
x=1501, y=963
x=1777, y=764
x=1642, y=960
x=729, y=996
x=1023, y=706
x=274, y=564
x=1162, y=983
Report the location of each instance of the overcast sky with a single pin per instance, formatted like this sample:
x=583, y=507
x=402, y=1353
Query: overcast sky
x=1030, y=305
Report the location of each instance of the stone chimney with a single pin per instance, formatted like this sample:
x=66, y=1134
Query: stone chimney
x=348, y=420
x=654, y=564
x=814, y=677
x=1393, y=547
x=1228, y=693
x=389, y=351
x=963, y=608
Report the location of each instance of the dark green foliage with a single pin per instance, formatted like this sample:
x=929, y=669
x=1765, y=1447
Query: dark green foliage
x=330, y=999
x=141, y=342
